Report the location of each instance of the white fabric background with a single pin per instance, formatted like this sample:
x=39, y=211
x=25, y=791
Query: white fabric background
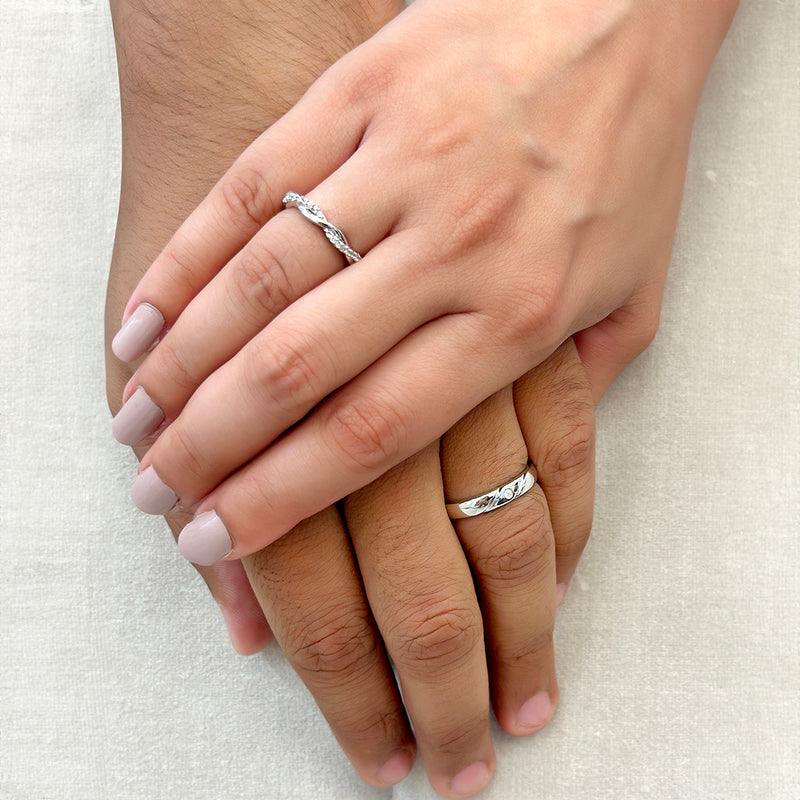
x=679, y=642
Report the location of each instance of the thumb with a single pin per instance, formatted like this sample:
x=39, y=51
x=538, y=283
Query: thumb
x=611, y=344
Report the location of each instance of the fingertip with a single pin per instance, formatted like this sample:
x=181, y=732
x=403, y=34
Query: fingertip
x=138, y=332
x=138, y=418
x=244, y=619
x=151, y=495
x=248, y=637
x=471, y=780
x=205, y=540
x=535, y=713
x=561, y=590
x=395, y=769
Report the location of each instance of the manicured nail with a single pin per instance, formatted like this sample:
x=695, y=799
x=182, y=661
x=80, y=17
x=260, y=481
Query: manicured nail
x=138, y=333
x=535, y=712
x=561, y=590
x=151, y=495
x=395, y=769
x=138, y=418
x=471, y=780
x=205, y=540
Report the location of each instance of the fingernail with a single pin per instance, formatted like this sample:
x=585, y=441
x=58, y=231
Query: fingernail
x=205, y=540
x=535, y=712
x=138, y=418
x=395, y=769
x=561, y=590
x=471, y=780
x=138, y=333
x=151, y=495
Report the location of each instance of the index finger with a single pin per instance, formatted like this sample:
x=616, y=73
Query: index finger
x=301, y=149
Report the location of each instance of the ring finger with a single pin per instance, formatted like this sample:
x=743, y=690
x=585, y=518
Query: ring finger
x=284, y=260
x=511, y=550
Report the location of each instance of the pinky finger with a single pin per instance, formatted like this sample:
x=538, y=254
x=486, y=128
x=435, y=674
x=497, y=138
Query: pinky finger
x=555, y=410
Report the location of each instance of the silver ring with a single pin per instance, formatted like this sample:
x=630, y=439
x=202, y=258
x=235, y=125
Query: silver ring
x=496, y=498
x=311, y=211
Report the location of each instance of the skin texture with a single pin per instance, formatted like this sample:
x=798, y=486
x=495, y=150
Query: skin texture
x=467, y=163
x=189, y=107
x=421, y=607
x=182, y=125
x=456, y=647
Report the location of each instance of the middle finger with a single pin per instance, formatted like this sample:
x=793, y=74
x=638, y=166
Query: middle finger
x=309, y=587
x=421, y=593
x=286, y=259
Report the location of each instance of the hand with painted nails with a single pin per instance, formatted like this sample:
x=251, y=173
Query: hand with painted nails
x=511, y=174
x=170, y=53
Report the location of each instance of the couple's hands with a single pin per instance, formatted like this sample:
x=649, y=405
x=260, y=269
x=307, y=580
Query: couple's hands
x=322, y=617
x=513, y=174
x=391, y=571
x=270, y=272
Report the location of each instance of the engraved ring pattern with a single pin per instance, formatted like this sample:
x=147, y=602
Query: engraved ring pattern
x=496, y=498
x=311, y=211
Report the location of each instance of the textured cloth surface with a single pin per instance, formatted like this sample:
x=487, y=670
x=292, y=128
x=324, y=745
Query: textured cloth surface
x=679, y=641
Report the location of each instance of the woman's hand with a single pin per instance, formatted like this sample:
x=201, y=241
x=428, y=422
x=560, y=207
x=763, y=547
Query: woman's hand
x=513, y=173
x=464, y=610
x=198, y=83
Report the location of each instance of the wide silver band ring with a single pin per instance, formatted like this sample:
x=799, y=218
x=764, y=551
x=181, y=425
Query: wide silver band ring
x=311, y=211
x=496, y=498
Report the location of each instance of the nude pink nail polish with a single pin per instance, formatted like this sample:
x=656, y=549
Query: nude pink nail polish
x=139, y=332
x=205, y=540
x=151, y=495
x=138, y=418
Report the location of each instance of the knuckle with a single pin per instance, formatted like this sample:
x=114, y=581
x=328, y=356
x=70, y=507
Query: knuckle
x=246, y=196
x=184, y=450
x=460, y=737
x=571, y=541
x=471, y=218
x=181, y=270
x=369, y=434
x=366, y=727
x=172, y=369
x=435, y=637
x=519, y=548
x=528, y=651
x=369, y=81
x=535, y=317
x=253, y=492
x=260, y=281
x=287, y=369
x=342, y=646
x=568, y=451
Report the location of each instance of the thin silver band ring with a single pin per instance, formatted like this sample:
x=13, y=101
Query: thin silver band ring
x=496, y=498
x=311, y=211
